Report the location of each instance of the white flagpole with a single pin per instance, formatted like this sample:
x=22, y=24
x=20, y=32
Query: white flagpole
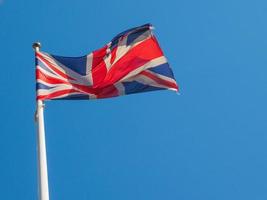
x=42, y=163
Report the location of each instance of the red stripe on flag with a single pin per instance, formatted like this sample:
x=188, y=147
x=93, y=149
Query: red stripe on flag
x=48, y=79
x=83, y=89
x=113, y=55
x=159, y=80
x=56, y=94
x=99, y=69
x=110, y=91
x=47, y=62
x=135, y=58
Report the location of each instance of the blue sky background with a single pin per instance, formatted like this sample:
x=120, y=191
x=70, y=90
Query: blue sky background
x=207, y=143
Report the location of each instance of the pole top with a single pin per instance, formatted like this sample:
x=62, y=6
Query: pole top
x=36, y=46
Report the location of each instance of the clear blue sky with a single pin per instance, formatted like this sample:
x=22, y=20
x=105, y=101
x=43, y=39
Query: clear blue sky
x=208, y=143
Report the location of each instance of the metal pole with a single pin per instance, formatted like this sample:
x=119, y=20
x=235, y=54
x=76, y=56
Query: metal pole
x=42, y=162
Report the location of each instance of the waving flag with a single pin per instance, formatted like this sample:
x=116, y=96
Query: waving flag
x=132, y=62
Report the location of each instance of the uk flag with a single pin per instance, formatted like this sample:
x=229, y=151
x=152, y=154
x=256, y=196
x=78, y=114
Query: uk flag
x=132, y=62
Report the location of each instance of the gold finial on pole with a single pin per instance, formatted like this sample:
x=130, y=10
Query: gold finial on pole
x=36, y=46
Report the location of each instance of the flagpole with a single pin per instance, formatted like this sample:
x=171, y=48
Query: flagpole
x=42, y=162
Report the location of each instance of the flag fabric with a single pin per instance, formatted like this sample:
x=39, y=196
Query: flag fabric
x=132, y=62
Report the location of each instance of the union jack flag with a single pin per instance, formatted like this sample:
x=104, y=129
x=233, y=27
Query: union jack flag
x=132, y=62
